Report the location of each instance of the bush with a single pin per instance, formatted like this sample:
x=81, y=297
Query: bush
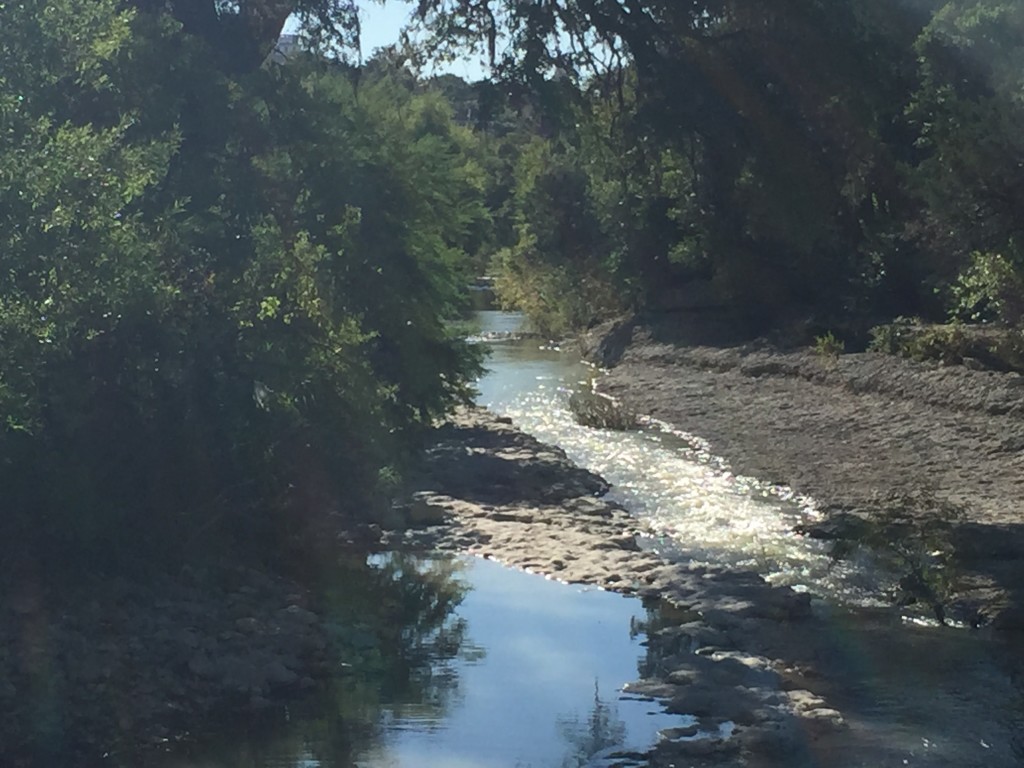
x=948, y=344
x=555, y=272
x=891, y=338
x=991, y=288
x=223, y=297
x=828, y=346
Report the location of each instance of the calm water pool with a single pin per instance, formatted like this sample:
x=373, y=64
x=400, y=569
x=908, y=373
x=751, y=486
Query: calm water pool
x=496, y=668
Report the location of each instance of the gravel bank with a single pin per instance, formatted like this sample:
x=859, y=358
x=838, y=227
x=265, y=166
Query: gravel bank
x=727, y=648
x=111, y=671
x=857, y=433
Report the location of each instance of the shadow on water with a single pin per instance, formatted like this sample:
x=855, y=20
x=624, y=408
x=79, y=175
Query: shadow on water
x=908, y=694
x=934, y=696
x=395, y=636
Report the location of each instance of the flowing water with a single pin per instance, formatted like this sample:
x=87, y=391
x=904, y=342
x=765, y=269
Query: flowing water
x=671, y=479
x=918, y=693
x=462, y=663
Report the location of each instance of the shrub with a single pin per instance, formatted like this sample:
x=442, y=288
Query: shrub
x=828, y=346
x=223, y=297
x=991, y=288
x=949, y=344
x=890, y=338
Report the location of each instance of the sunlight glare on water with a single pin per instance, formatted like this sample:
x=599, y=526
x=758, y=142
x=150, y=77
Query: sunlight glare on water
x=666, y=477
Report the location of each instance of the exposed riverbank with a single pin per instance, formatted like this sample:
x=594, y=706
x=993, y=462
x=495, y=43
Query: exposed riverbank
x=861, y=434
x=108, y=670
x=767, y=678
x=744, y=658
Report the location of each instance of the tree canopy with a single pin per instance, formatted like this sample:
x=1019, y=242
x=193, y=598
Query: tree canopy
x=227, y=284
x=223, y=291
x=844, y=161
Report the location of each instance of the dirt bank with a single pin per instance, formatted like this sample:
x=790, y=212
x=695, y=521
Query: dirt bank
x=130, y=667
x=111, y=671
x=861, y=433
x=725, y=647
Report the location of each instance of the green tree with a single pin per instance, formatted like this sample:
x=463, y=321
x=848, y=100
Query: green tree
x=225, y=292
x=555, y=271
x=779, y=120
x=967, y=112
x=241, y=34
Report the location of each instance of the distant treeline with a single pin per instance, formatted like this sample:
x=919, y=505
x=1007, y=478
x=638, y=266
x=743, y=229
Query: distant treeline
x=809, y=165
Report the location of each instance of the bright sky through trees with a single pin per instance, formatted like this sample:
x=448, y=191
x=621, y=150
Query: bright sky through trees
x=381, y=25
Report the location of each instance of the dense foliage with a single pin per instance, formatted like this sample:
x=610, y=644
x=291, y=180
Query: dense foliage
x=224, y=293
x=226, y=282
x=808, y=165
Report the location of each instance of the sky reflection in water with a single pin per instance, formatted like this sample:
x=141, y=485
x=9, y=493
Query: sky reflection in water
x=552, y=663
x=531, y=681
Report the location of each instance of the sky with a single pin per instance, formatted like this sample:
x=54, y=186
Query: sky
x=381, y=25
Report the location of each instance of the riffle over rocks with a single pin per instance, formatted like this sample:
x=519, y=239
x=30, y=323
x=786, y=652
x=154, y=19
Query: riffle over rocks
x=732, y=651
x=864, y=435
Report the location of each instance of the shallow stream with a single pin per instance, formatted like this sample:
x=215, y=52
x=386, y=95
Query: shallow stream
x=665, y=476
x=927, y=695
x=462, y=663
x=466, y=664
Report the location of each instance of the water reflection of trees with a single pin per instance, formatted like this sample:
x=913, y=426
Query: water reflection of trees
x=394, y=640
x=602, y=729
x=661, y=652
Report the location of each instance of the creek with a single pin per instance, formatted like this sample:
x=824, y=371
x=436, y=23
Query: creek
x=667, y=477
x=460, y=663
x=938, y=695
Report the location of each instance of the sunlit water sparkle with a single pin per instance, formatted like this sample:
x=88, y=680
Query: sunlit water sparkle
x=673, y=480
x=925, y=696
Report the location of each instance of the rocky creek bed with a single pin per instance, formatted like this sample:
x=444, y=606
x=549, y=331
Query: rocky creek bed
x=761, y=671
x=863, y=434
x=766, y=674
